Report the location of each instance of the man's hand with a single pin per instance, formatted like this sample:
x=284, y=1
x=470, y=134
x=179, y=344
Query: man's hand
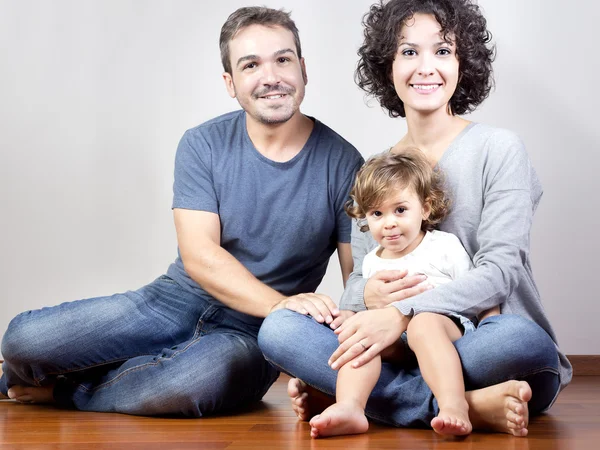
x=319, y=306
x=366, y=334
x=388, y=286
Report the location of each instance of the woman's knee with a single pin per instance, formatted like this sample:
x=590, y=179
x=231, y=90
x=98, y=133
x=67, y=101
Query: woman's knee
x=519, y=338
x=506, y=347
x=530, y=355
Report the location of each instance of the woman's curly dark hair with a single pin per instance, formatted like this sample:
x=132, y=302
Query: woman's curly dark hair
x=460, y=18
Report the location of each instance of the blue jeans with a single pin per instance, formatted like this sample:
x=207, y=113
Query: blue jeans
x=503, y=347
x=155, y=351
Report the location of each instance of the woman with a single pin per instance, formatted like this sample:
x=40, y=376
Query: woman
x=433, y=68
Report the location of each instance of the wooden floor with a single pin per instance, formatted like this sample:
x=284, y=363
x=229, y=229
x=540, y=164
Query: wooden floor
x=573, y=423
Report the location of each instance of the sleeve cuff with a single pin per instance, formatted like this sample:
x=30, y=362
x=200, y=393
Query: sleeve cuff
x=353, y=298
x=405, y=307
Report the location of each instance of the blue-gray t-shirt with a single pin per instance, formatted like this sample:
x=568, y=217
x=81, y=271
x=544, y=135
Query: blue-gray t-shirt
x=282, y=221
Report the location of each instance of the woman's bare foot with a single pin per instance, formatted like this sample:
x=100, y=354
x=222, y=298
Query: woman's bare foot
x=306, y=400
x=452, y=421
x=32, y=394
x=502, y=407
x=338, y=419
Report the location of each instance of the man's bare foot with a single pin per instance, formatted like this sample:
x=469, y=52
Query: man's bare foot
x=502, y=407
x=452, y=421
x=338, y=419
x=306, y=400
x=32, y=394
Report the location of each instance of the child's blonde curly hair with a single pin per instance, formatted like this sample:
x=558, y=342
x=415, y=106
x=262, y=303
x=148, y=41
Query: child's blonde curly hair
x=386, y=172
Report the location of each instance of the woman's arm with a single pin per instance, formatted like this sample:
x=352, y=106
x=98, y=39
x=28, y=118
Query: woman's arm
x=498, y=231
x=352, y=297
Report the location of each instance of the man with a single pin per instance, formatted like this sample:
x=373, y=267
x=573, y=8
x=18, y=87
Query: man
x=258, y=208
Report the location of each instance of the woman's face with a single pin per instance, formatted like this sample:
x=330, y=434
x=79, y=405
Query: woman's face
x=425, y=69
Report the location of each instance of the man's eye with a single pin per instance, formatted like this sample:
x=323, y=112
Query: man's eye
x=283, y=60
x=251, y=65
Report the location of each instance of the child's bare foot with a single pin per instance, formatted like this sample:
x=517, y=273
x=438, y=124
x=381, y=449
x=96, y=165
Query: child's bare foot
x=339, y=418
x=502, y=407
x=453, y=421
x=306, y=400
x=32, y=394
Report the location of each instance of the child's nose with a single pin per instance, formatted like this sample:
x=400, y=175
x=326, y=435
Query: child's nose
x=390, y=222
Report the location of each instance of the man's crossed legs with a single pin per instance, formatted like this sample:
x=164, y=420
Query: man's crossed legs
x=155, y=351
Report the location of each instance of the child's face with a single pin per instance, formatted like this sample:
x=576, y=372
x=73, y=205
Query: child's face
x=396, y=224
x=426, y=70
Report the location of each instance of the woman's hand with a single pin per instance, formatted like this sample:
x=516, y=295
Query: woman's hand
x=388, y=286
x=366, y=334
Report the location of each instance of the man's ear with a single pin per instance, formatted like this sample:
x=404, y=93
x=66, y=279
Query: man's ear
x=228, y=79
x=303, y=67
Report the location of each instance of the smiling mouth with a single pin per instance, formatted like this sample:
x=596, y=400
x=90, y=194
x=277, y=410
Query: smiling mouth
x=425, y=87
x=392, y=238
x=273, y=97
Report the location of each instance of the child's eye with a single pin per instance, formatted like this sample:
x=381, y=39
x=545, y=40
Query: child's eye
x=400, y=210
x=376, y=213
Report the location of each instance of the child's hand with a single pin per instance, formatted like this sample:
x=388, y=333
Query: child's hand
x=344, y=314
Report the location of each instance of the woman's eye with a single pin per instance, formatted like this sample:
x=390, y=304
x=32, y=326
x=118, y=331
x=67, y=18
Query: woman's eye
x=409, y=52
x=444, y=52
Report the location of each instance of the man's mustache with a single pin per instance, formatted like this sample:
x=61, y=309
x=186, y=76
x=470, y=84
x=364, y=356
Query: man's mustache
x=277, y=89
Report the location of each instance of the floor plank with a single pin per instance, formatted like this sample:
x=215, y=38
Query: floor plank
x=573, y=423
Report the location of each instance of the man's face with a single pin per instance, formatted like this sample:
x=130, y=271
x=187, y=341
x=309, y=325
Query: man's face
x=267, y=77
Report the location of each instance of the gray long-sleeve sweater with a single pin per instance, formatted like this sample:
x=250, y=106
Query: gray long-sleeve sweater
x=494, y=192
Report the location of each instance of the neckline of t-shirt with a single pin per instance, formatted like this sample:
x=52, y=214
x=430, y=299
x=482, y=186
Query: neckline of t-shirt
x=454, y=144
x=301, y=154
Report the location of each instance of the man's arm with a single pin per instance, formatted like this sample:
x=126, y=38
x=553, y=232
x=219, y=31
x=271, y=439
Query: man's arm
x=226, y=279
x=215, y=269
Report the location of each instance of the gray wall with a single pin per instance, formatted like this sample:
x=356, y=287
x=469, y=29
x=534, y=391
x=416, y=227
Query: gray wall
x=94, y=96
